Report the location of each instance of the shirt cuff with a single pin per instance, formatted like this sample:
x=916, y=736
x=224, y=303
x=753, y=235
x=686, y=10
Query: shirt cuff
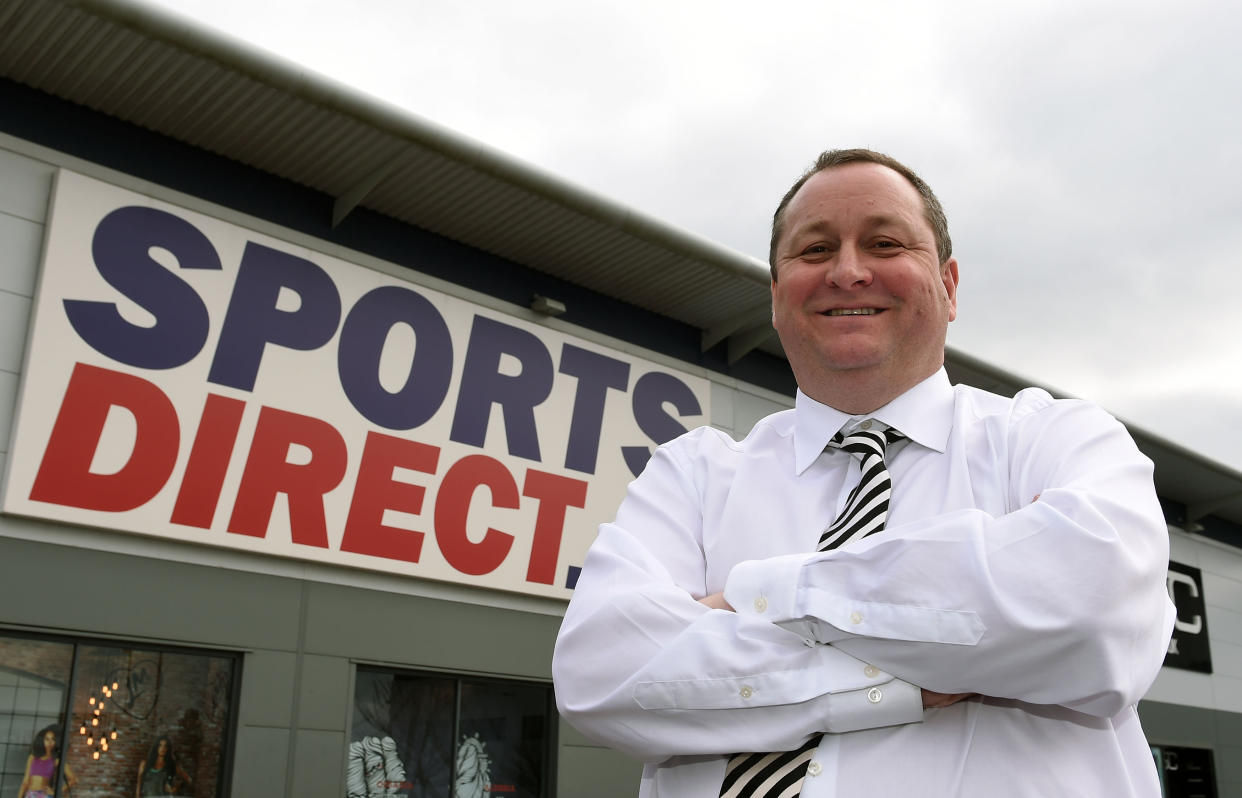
x=773, y=590
x=766, y=589
x=889, y=704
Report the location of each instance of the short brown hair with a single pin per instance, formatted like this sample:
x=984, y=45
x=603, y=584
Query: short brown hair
x=932, y=210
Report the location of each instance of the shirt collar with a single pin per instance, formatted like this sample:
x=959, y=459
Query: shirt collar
x=924, y=414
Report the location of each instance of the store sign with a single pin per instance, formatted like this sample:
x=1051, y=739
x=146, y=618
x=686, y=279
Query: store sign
x=1188, y=649
x=191, y=379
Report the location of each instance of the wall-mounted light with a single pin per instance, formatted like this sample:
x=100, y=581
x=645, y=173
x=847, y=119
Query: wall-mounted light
x=546, y=305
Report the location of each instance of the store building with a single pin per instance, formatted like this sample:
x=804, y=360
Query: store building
x=309, y=409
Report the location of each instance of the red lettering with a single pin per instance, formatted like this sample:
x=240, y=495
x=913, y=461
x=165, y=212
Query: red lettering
x=64, y=474
x=453, y=505
x=268, y=472
x=376, y=491
x=209, y=460
x=555, y=494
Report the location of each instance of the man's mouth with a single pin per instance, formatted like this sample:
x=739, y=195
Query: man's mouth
x=852, y=312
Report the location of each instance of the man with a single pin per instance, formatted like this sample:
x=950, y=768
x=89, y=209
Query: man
x=979, y=621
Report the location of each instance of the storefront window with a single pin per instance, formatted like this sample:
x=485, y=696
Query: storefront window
x=34, y=682
x=126, y=721
x=430, y=736
x=1185, y=772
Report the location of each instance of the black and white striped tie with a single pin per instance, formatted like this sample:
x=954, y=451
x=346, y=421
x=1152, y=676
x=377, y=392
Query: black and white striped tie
x=780, y=774
x=866, y=508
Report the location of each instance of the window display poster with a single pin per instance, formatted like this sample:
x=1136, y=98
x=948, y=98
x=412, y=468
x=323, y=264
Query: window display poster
x=419, y=736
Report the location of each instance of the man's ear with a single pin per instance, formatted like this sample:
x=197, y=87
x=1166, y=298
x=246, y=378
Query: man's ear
x=948, y=275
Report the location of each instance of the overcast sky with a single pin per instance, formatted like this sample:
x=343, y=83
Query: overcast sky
x=1089, y=155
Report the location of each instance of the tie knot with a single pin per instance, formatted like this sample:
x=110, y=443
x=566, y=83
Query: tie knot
x=870, y=441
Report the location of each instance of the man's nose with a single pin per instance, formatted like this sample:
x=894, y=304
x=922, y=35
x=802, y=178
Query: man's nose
x=849, y=269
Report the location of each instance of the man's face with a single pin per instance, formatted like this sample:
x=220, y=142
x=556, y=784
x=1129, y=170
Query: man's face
x=859, y=287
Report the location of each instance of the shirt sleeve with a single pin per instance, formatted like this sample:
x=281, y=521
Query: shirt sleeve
x=642, y=667
x=1061, y=601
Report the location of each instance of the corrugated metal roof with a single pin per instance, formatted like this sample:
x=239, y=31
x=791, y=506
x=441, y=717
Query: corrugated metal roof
x=140, y=65
x=159, y=71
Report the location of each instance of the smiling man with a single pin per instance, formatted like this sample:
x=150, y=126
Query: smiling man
x=900, y=587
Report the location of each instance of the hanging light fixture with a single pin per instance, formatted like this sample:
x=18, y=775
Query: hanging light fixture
x=94, y=724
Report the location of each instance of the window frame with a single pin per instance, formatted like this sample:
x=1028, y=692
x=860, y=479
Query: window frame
x=77, y=641
x=551, y=744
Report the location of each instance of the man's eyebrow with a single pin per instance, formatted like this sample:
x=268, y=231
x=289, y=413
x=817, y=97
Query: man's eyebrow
x=882, y=219
x=817, y=226
x=870, y=221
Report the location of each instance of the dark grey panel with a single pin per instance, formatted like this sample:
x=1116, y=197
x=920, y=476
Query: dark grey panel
x=1194, y=727
x=568, y=735
x=1229, y=727
x=117, y=594
x=387, y=627
x=318, y=765
x=259, y=762
x=596, y=772
x=325, y=702
x=1174, y=724
x=1228, y=761
x=267, y=689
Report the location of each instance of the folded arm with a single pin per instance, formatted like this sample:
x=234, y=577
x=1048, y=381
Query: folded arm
x=1061, y=601
x=642, y=666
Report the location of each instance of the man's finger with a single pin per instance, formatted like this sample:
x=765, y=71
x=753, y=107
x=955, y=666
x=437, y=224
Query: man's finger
x=934, y=700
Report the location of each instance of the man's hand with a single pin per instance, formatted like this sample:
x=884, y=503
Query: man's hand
x=716, y=601
x=935, y=700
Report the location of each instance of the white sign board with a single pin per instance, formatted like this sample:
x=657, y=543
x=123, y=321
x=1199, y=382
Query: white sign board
x=192, y=379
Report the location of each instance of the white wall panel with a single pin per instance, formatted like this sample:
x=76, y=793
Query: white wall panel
x=722, y=408
x=1224, y=624
x=1228, y=692
x=1226, y=657
x=1183, y=549
x=25, y=185
x=8, y=402
x=1176, y=686
x=748, y=409
x=1221, y=591
x=14, y=320
x=21, y=243
x=1219, y=559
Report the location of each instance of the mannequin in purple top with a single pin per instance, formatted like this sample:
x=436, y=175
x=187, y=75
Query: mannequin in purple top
x=41, y=767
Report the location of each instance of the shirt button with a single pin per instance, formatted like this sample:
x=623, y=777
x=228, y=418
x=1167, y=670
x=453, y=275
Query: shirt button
x=874, y=695
x=865, y=425
x=871, y=671
x=746, y=692
x=761, y=604
x=855, y=617
x=814, y=768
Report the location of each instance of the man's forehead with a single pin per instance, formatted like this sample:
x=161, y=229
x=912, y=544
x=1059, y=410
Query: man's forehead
x=861, y=179
x=867, y=193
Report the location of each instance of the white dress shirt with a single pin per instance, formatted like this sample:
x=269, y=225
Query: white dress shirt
x=1024, y=559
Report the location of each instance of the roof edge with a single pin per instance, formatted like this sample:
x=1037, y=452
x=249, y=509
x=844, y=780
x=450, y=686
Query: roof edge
x=1138, y=432
x=319, y=89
